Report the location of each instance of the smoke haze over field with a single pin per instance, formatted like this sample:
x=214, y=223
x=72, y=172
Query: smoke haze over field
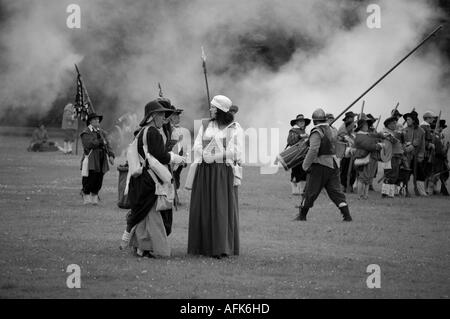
x=274, y=59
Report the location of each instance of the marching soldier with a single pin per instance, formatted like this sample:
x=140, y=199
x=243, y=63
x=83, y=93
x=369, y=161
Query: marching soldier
x=322, y=167
x=296, y=134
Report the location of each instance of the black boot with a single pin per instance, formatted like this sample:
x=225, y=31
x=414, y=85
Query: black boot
x=346, y=214
x=303, y=211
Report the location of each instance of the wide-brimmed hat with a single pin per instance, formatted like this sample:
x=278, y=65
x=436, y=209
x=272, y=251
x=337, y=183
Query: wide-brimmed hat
x=153, y=107
x=349, y=115
x=442, y=124
x=300, y=117
x=360, y=124
x=389, y=120
x=412, y=114
x=396, y=113
x=93, y=116
x=370, y=119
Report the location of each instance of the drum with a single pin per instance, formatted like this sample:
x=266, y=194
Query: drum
x=294, y=155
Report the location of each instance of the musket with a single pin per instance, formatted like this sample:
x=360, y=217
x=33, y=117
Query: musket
x=160, y=90
x=85, y=90
x=378, y=122
x=360, y=116
x=206, y=76
x=388, y=72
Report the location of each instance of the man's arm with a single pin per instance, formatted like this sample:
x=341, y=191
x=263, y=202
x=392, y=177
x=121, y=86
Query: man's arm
x=313, y=152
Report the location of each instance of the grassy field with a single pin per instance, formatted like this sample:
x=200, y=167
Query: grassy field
x=44, y=228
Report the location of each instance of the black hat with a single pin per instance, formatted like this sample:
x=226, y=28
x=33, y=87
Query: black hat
x=370, y=119
x=396, y=113
x=412, y=114
x=300, y=117
x=349, y=115
x=389, y=120
x=178, y=111
x=361, y=122
x=93, y=116
x=441, y=124
x=152, y=107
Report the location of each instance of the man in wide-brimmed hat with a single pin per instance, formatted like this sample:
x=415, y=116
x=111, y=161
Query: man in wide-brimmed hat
x=346, y=134
x=371, y=121
x=323, y=168
x=414, y=139
x=396, y=114
x=428, y=118
x=367, y=146
x=439, y=160
x=296, y=134
x=391, y=183
x=98, y=154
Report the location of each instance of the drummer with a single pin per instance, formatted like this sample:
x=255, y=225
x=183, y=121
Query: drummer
x=297, y=134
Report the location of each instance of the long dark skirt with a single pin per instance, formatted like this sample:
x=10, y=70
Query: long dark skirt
x=214, y=213
x=141, y=195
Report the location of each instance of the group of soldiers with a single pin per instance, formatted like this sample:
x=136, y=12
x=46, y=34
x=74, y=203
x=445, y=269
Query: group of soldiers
x=405, y=147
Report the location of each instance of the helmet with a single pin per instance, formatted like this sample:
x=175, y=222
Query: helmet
x=319, y=115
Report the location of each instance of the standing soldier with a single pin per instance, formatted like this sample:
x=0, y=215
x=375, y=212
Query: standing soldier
x=392, y=167
x=346, y=135
x=296, y=134
x=427, y=165
x=69, y=126
x=371, y=121
x=322, y=167
x=97, y=153
x=414, y=138
x=395, y=113
x=367, y=145
x=440, y=161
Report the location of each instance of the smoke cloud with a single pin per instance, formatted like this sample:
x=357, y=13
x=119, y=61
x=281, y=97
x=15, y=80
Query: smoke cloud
x=274, y=59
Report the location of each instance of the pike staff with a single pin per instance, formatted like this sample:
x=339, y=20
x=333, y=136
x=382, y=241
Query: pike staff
x=206, y=76
x=388, y=72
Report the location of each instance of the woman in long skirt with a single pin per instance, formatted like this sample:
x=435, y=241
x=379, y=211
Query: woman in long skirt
x=214, y=212
x=147, y=230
